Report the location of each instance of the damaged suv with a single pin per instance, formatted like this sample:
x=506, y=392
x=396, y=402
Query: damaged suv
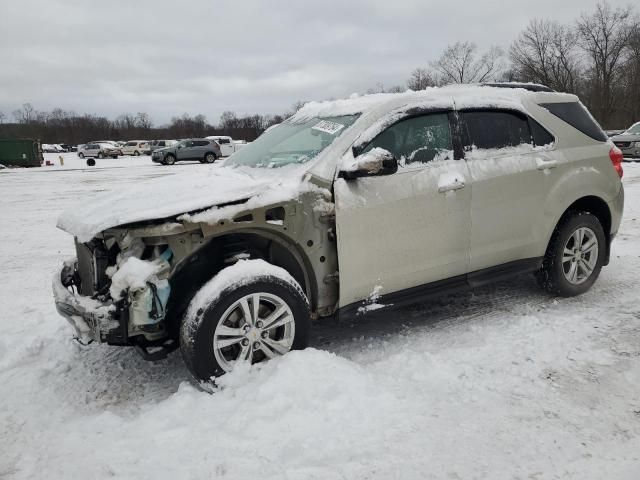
x=349, y=206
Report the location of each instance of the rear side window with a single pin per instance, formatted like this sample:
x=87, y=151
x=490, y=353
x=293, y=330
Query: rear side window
x=578, y=117
x=540, y=134
x=223, y=140
x=200, y=143
x=494, y=129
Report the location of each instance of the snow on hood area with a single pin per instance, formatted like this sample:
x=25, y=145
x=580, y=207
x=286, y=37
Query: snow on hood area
x=165, y=197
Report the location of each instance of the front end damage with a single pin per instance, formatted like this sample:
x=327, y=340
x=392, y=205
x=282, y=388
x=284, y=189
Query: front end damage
x=116, y=291
x=130, y=284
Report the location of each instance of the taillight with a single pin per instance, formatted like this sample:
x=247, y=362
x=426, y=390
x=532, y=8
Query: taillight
x=615, y=154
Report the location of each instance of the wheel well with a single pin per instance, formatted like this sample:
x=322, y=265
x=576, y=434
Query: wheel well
x=221, y=252
x=598, y=207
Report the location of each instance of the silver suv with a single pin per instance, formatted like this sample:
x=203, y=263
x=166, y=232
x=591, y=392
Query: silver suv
x=202, y=149
x=349, y=207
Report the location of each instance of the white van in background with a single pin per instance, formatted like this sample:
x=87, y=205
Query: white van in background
x=227, y=144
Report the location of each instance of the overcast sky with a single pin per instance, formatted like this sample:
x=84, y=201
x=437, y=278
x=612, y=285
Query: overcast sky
x=169, y=57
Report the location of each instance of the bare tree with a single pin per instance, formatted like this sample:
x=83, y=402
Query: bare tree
x=420, y=79
x=143, y=121
x=458, y=64
x=2, y=117
x=605, y=36
x=26, y=114
x=545, y=52
x=631, y=81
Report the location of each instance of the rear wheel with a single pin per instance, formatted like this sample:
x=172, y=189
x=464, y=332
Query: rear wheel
x=210, y=157
x=100, y=155
x=169, y=160
x=575, y=255
x=249, y=322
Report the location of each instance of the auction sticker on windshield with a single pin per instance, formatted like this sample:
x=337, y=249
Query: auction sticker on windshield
x=328, y=127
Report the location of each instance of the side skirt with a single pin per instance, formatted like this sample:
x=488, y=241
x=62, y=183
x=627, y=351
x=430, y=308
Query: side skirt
x=439, y=288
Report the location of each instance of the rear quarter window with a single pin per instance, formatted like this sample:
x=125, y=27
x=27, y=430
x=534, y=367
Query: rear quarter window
x=541, y=135
x=576, y=115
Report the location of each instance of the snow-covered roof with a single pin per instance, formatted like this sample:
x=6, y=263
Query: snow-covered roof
x=464, y=96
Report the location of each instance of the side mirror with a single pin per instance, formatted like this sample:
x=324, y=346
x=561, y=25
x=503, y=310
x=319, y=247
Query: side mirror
x=375, y=162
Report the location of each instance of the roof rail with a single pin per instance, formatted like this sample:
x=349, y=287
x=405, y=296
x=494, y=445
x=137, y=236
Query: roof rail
x=532, y=87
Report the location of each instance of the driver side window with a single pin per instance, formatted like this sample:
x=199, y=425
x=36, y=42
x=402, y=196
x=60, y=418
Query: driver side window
x=417, y=139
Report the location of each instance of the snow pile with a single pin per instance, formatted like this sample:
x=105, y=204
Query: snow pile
x=133, y=274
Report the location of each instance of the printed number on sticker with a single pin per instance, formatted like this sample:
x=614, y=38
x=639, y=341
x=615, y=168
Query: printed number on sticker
x=328, y=127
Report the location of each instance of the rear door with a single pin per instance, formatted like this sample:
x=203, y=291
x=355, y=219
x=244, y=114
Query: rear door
x=510, y=177
x=409, y=228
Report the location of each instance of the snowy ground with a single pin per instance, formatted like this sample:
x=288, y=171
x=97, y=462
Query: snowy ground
x=505, y=382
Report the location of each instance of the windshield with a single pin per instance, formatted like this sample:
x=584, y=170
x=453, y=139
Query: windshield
x=290, y=142
x=634, y=130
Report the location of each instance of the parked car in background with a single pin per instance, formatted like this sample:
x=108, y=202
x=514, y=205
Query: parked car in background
x=157, y=144
x=68, y=148
x=202, y=149
x=349, y=207
x=98, y=150
x=613, y=133
x=228, y=145
x=49, y=148
x=136, y=147
x=629, y=141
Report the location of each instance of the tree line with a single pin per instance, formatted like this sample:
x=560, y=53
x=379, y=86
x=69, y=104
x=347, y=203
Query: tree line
x=597, y=57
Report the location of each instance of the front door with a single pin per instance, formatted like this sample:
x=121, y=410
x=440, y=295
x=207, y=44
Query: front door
x=409, y=228
x=186, y=152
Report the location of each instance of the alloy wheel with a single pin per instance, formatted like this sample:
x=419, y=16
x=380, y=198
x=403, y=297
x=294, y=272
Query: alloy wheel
x=580, y=255
x=257, y=327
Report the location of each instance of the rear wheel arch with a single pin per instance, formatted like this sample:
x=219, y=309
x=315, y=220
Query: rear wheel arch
x=597, y=207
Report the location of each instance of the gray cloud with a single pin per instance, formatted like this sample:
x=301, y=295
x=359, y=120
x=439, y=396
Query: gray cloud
x=208, y=56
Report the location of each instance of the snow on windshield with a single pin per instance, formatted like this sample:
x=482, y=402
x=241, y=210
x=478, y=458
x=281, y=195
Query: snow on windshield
x=292, y=142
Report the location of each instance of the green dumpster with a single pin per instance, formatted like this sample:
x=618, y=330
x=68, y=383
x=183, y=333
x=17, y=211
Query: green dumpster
x=22, y=152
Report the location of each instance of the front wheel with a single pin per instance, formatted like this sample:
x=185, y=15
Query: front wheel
x=250, y=312
x=575, y=255
x=169, y=160
x=81, y=155
x=136, y=153
x=100, y=155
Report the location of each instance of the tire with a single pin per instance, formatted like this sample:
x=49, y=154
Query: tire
x=200, y=335
x=81, y=155
x=210, y=157
x=100, y=155
x=91, y=162
x=569, y=270
x=136, y=153
x=169, y=160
